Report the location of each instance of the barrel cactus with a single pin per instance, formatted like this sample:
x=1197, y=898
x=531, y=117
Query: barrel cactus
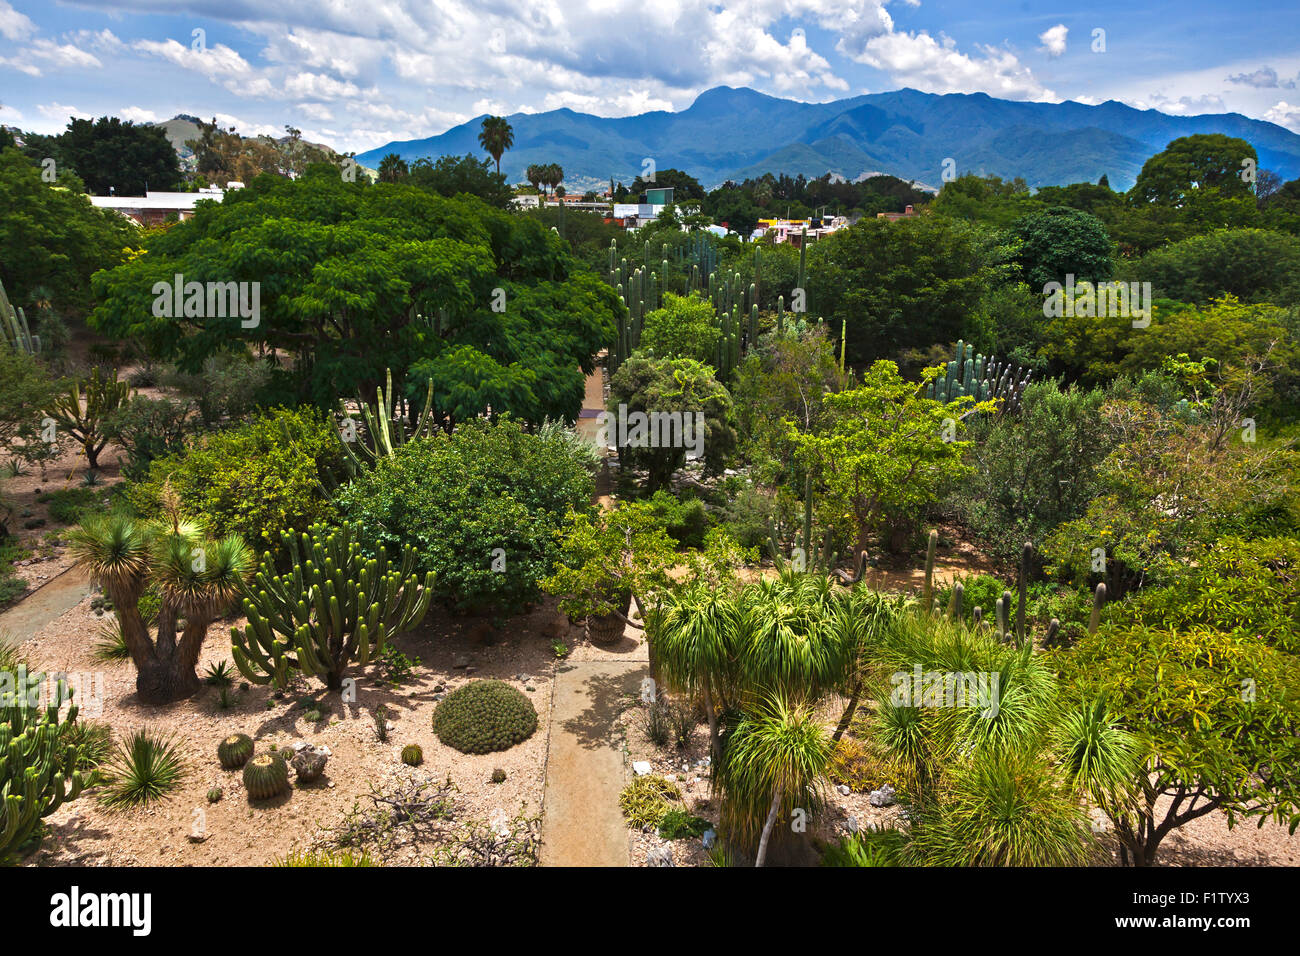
x=309, y=763
x=484, y=716
x=266, y=776
x=412, y=755
x=234, y=751
x=333, y=609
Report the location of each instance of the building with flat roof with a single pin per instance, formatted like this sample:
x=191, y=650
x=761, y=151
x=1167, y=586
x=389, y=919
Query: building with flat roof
x=156, y=208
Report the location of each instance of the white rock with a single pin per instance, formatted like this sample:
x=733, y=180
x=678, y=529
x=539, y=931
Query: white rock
x=844, y=790
x=641, y=767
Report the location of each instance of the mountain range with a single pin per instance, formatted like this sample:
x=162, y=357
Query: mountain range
x=730, y=133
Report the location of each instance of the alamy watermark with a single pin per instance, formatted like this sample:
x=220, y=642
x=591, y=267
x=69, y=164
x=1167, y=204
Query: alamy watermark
x=87, y=690
x=638, y=429
x=1102, y=299
x=919, y=688
x=209, y=300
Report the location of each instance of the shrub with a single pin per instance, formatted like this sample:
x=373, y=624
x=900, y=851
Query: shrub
x=686, y=327
x=147, y=768
x=679, y=825
x=645, y=801
x=148, y=428
x=856, y=765
x=484, y=716
x=253, y=480
x=879, y=848
x=70, y=505
x=480, y=506
x=315, y=858
x=229, y=386
x=686, y=520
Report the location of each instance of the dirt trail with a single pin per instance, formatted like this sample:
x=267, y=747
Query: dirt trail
x=43, y=605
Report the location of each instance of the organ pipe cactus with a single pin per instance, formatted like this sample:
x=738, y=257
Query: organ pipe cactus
x=13, y=327
x=1098, y=600
x=983, y=379
x=931, y=543
x=38, y=770
x=335, y=608
x=386, y=433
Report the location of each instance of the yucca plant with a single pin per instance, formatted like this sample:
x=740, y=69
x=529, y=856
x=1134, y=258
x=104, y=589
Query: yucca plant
x=146, y=769
x=774, y=761
x=197, y=577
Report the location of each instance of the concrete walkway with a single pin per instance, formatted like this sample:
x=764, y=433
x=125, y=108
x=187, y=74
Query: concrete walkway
x=582, y=824
x=50, y=600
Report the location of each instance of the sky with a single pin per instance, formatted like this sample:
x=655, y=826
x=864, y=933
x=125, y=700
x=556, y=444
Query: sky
x=356, y=75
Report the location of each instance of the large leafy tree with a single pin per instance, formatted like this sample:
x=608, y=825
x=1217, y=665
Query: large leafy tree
x=882, y=453
x=1255, y=265
x=1060, y=242
x=112, y=154
x=54, y=237
x=355, y=279
x=496, y=136
x=454, y=175
x=1193, y=165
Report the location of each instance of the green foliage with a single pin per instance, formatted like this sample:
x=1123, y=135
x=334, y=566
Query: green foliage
x=460, y=175
x=70, y=505
x=229, y=386
x=662, y=386
x=680, y=825
x=147, y=768
x=266, y=776
x=348, y=274
x=686, y=520
x=54, y=237
x=1218, y=716
x=1203, y=168
x=867, y=848
x=484, y=716
x=457, y=498
x=234, y=751
x=321, y=858
x=685, y=327
x=1243, y=587
x=254, y=480
x=1254, y=265
x=335, y=608
x=1034, y=471
x=28, y=390
x=39, y=765
x=111, y=153
x=1061, y=241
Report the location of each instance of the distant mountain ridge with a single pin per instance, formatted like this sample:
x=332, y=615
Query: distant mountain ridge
x=732, y=133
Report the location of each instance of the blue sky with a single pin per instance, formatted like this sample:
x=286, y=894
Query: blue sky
x=357, y=75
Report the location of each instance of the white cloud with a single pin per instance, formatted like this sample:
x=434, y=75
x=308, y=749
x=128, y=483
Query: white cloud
x=138, y=114
x=1053, y=39
x=14, y=25
x=1284, y=114
x=62, y=113
x=936, y=66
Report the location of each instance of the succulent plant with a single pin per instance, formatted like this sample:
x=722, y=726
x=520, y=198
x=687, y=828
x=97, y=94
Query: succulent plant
x=266, y=776
x=484, y=716
x=234, y=751
x=214, y=795
x=309, y=763
x=498, y=775
x=412, y=755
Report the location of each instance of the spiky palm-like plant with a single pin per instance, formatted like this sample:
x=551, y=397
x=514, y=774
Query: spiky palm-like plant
x=694, y=630
x=197, y=577
x=147, y=768
x=775, y=761
x=83, y=408
x=496, y=137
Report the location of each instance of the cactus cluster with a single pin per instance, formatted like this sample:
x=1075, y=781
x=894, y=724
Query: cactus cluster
x=818, y=559
x=334, y=608
x=234, y=751
x=385, y=430
x=266, y=776
x=37, y=766
x=484, y=716
x=981, y=378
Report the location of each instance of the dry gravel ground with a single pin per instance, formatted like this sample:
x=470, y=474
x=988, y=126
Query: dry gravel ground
x=243, y=833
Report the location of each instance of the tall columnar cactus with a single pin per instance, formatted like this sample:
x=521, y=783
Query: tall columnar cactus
x=14, y=331
x=82, y=410
x=384, y=427
x=334, y=609
x=983, y=379
x=1098, y=601
x=38, y=769
x=927, y=601
x=1026, y=555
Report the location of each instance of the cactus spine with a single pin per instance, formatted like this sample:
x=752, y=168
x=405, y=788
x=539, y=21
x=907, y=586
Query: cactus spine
x=234, y=751
x=333, y=609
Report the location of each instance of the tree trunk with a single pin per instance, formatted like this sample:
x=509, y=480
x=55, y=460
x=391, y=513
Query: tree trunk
x=767, y=826
x=847, y=718
x=165, y=670
x=713, y=725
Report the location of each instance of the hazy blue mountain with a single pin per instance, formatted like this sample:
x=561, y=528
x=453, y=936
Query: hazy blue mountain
x=734, y=133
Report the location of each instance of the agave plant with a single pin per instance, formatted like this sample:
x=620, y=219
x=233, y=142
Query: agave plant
x=197, y=578
x=146, y=769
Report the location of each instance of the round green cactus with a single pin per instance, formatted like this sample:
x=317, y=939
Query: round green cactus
x=266, y=776
x=234, y=751
x=412, y=755
x=484, y=716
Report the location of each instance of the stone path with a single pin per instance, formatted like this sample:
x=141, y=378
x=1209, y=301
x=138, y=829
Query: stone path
x=43, y=605
x=585, y=765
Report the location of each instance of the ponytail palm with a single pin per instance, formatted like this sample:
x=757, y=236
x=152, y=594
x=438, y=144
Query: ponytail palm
x=775, y=761
x=789, y=639
x=694, y=630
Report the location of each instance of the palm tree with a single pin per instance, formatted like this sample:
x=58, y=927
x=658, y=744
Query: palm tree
x=536, y=176
x=393, y=169
x=775, y=760
x=198, y=578
x=693, y=630
x=496, y=137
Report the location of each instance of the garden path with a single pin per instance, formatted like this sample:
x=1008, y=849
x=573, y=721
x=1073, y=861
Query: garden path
x=50, y=600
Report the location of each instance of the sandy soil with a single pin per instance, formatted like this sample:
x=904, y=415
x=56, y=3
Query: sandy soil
x=242, y=833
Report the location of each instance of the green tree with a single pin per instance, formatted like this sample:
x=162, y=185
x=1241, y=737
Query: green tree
x=1255, y=265
x=1061, y=241
x=882, y=453
x=462, y=175
x=685, y=327
x=393, y=169
x=1192, y=167
x=109, y=154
